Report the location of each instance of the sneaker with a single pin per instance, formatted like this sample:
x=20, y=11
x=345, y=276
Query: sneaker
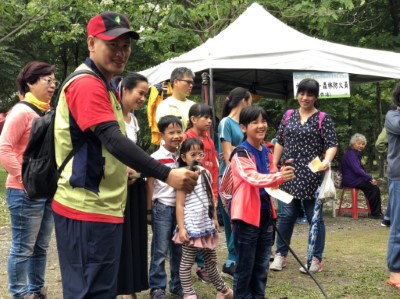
x=202, y=275
x=228, y=271
x=279, y=263
x=157, y=294
x=385, y=223
x=302, y=220
x=316, y=266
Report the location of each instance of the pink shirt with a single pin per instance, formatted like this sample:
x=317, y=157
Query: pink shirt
x=13, y=141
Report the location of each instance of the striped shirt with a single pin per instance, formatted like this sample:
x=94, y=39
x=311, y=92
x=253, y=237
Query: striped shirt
x=162, y=191
x=196, y=219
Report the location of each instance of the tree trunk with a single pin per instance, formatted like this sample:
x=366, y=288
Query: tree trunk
x=394, y=12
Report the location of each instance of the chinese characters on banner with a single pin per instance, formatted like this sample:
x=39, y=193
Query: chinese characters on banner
x=331, y=85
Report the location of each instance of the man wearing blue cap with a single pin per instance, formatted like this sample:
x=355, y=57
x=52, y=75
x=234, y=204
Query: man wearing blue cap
x=90, y=200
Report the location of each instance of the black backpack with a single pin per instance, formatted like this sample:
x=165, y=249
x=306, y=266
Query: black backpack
x=39, y=169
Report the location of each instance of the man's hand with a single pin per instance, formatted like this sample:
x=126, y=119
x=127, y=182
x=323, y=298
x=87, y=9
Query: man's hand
x=182, y=179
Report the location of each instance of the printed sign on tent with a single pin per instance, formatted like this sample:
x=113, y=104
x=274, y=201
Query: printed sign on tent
x=331, y=85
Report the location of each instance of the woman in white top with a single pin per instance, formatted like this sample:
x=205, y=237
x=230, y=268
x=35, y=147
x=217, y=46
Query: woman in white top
x=132, y=90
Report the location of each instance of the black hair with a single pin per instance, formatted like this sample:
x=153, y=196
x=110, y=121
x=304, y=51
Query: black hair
x=179, y=73
x=186, y=146
x=130, y=81
x=166, y=120
x=249, y=114
x=234, y=98
x=396, y=95
x=198, y=110
x=310, y=86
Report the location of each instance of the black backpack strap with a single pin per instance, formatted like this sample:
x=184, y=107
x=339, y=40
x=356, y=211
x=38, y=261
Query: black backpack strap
x=72, y=75
x=33, y=107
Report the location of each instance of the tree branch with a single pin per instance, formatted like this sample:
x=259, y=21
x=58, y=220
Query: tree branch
x=21, y=26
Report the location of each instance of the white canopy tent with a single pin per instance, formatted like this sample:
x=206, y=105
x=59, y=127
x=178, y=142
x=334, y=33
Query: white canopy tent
x=259, y=52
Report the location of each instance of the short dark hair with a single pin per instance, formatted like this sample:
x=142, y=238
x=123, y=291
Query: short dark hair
x=198, y=110
x=396, y=95
x=251, y=113
x=166, y=120
x=186, y=146
x=179, y=73
x=31, y=73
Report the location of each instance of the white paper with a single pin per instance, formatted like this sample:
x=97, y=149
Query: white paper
x=279, y=194
x=315, y=164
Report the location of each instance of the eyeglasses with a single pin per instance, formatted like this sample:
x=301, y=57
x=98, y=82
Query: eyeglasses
x=197, y=155
x=50, y=81
x=190, y=82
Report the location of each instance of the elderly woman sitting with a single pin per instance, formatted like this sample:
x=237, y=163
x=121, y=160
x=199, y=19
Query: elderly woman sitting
x=354, y=175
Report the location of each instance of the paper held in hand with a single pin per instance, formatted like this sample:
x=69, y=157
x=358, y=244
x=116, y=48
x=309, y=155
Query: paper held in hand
x=279, y=194
x=315, y=164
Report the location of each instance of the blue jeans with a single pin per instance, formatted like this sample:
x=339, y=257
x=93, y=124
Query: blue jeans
x=253, y=249
x=286, y=223
x=164, y=224
x=393, y=251
x=229, y=238
x=31, y=227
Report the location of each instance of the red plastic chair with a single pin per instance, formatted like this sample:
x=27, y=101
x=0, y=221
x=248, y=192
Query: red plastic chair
x=354, y=209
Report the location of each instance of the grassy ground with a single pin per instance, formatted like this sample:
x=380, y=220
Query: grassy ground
x=354, y=260
x=4, y=218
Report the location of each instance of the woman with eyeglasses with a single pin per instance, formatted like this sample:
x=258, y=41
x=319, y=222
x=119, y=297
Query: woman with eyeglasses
x=31, y=220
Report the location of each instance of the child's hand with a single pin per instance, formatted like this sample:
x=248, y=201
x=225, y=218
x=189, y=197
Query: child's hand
x=216, y=224
x=183, y=236
x=149, y=219
x=287, y=173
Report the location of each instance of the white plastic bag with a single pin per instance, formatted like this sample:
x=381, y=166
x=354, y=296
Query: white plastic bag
x=327, y=189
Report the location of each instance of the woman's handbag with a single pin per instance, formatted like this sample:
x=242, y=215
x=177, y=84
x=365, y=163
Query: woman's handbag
x=327, y=189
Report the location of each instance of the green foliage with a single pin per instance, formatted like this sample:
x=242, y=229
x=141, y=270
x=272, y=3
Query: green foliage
x=55, y=31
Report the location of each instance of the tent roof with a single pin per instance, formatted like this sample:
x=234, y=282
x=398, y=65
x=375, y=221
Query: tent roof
x=257, y=50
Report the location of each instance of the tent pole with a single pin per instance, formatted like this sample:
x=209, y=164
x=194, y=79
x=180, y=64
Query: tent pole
x=211, y=93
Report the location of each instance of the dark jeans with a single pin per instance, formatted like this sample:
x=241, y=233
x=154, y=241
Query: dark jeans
x=89, y=254
x=373, y=194
x=253, y=248
x=228, y=235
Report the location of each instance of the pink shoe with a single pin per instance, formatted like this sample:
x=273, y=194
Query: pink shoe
x=186, y=296
x=227, y=295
